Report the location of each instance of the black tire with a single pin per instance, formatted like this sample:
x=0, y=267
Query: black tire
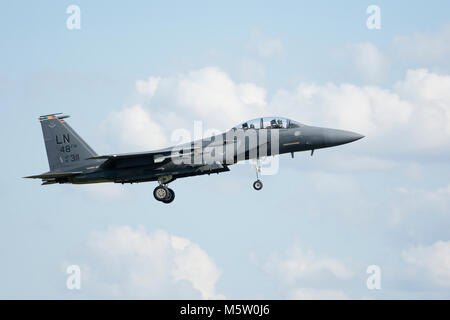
x=170, y=196
x=160, y=193
x=258, y=185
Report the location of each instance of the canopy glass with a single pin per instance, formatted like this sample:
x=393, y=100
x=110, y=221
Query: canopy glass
x=269, y=123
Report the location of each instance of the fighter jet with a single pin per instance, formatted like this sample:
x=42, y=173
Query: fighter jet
x=72, y=160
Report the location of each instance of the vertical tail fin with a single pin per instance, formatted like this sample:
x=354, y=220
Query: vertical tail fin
x=65, y=148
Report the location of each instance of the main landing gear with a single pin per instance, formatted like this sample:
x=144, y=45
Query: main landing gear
x=163, y=193
x=257, y=185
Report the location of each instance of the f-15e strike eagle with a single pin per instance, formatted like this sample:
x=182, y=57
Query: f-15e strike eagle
x=72, y=160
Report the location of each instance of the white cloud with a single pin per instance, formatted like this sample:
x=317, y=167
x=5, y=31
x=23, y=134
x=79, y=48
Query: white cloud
x=414, y=115
x=251, y=94
x=411, y=203
x=317, y=294
x=127, y=263
x=423, y=47
x=433, y=259
x=251, y=70
x=134, y=127
x=148, y=87
x=207, y=95
x=298, y=264
x=430, y=95
x=367, y=109
x=265, y=46
x=298, y=268
x=369, y=61
x=210, y=94
x=194, y=265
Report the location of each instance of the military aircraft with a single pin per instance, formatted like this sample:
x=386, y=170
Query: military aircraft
x=72, y=160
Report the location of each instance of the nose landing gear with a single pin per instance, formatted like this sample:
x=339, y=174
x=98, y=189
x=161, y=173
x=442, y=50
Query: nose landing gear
x=257, y=185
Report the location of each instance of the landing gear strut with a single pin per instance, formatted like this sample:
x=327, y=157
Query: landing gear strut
x=163, y=193
x=257, y=185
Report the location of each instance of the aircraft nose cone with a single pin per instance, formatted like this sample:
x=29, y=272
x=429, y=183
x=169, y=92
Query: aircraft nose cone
x=337, y=137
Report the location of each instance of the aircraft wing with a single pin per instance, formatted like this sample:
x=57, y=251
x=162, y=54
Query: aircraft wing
x=195, y=170
x=127, y=160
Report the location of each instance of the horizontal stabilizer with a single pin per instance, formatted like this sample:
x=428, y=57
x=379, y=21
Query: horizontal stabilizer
x=48, y=182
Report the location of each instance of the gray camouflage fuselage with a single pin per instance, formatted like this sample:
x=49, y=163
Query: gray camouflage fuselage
x=71, y=160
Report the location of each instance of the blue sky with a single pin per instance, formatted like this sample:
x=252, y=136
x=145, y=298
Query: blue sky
x=134, y=73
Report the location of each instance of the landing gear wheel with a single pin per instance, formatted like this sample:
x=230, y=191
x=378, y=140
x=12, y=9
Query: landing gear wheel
x=257, y=185
x=170, y=196
x=160, y=193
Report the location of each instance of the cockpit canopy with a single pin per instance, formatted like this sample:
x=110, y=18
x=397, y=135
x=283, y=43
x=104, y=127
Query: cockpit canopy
x=269, y=123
